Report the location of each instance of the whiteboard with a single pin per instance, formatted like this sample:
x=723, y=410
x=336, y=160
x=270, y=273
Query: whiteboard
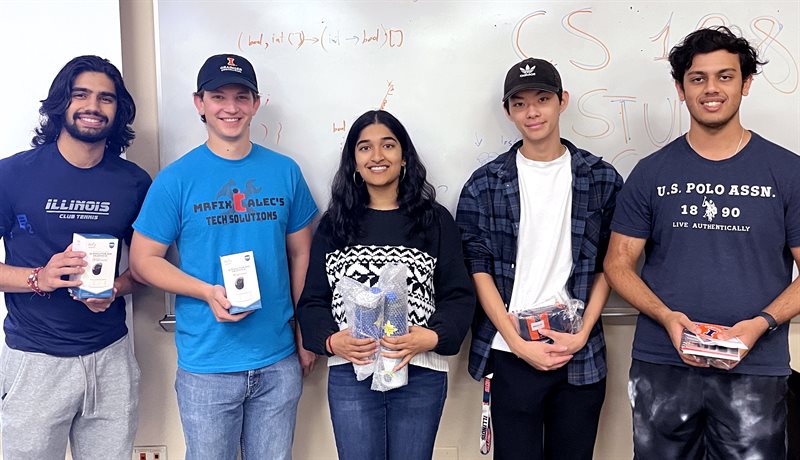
x=39, y=37
x=439, y=67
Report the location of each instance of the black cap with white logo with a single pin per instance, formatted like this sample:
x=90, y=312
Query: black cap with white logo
x=226, y=69
x=532, y=73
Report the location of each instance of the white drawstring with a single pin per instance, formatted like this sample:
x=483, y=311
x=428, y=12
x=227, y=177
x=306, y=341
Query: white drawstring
x=89, y=384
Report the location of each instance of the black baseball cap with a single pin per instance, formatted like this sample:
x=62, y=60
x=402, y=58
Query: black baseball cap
x=226, y=69
x=532, y=73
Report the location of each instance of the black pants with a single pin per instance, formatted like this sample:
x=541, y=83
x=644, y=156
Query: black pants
x=539, y=415
x=687, y=413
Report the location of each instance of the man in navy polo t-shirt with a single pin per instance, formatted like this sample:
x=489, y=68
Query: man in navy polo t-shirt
x=717, y=214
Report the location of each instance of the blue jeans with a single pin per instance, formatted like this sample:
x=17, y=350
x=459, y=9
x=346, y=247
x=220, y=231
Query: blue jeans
x=254, y=410
x=397, y=424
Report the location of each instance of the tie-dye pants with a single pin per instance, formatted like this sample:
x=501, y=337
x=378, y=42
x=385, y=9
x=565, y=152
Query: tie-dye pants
x=699, y=413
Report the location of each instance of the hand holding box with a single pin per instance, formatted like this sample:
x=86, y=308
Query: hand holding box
x=241, y=282
x=708, y=347
x=97, y=281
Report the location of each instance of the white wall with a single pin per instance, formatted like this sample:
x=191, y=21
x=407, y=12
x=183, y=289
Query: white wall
x=439, y=67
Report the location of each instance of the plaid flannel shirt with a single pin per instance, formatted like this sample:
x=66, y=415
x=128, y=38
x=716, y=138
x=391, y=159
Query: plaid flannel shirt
x=488, y=215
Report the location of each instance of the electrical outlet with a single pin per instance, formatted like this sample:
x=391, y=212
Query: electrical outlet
x=149, y=453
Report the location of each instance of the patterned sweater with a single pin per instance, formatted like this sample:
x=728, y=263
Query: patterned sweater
x=440, y=293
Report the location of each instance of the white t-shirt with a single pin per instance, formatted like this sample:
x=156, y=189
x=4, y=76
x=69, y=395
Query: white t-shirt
x=544, y=246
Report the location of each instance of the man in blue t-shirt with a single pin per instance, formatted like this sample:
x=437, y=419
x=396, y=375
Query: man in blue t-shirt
x=717, y=214
x=67, y=369
x=238, y=379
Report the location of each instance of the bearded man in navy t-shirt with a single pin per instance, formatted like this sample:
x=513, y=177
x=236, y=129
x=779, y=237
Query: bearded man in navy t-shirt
x=717, y=214
x=67, y=369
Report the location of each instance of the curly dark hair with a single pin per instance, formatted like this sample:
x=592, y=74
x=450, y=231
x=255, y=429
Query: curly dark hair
x=349, y=200
x=59, y=97
x=709, y=40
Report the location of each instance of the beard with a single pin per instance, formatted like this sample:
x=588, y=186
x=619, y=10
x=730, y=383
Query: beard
x=90, y=136
x=714, y=123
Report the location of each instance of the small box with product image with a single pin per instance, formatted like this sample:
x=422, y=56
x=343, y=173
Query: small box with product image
x=241, y=282
x=97, y=280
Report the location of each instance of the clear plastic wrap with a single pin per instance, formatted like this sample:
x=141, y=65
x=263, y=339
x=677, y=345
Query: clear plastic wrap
x=363, y=310
x=375, y=312
x=395, y=323
x=558, y=315
x=707, y=346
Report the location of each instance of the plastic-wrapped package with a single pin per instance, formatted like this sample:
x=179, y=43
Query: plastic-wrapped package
x=392, y=282
x=395, y=314
x=363, y=310
x=375, y=312
x=707, y=347
x=558, y=315
x=385, y=378
x=368, y=314
x=395, y=323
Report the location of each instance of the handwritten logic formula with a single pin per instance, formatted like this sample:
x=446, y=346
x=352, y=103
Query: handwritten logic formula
x=325, y=39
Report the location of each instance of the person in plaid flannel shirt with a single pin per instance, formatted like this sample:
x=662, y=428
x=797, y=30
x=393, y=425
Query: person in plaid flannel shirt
x=535, y=227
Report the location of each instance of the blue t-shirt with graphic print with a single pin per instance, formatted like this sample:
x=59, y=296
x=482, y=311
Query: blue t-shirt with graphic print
x=211, y=206
x=718, y=235
x=44, y=200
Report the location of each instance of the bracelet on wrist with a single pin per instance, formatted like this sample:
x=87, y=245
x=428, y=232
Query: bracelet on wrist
x=328, y=346
x=33, y=282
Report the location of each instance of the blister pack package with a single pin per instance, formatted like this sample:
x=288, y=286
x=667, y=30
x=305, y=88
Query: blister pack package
x=707, y=347
x=557, y=315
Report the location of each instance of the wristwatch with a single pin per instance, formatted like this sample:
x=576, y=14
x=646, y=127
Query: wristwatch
x=770, y=320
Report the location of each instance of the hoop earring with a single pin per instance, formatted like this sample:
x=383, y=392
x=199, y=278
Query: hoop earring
x=402, y=173
x=355, y=181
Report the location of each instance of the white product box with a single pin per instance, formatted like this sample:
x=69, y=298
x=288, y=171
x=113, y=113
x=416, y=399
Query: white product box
x=241, y=281
x=101, y=256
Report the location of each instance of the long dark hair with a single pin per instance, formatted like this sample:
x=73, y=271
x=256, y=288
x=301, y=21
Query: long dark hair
x=349, y=200
x=59, y=97
x=708, y=40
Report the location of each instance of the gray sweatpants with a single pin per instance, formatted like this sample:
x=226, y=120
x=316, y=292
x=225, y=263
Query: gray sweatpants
x=91, y=399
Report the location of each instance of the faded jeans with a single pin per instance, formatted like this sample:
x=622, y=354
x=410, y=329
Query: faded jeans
x=253, y=410
x=398, y=424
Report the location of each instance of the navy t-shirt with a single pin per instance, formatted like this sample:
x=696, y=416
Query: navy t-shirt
x=43, y=201
x=718, y=235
